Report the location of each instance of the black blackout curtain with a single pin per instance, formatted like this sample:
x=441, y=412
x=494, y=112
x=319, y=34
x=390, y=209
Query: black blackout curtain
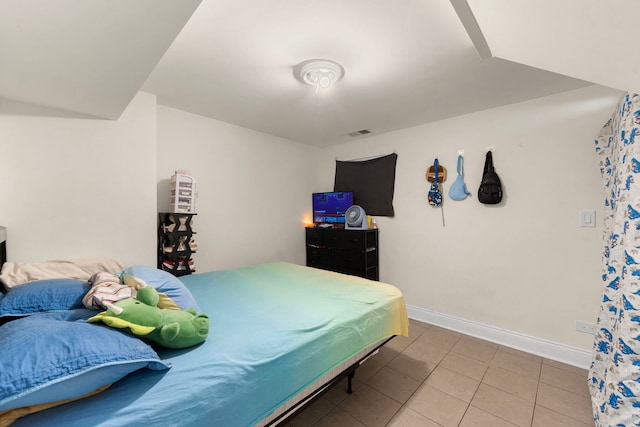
x=371, y=181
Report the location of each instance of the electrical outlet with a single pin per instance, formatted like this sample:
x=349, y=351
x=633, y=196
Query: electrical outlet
x=587, y=328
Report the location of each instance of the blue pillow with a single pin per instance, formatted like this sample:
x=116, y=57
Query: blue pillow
x=166, y=283
x=68, y=315
x=44, y=295
x=47, y=360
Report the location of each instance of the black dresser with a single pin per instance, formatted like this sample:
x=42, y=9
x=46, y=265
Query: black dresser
x=352, y=252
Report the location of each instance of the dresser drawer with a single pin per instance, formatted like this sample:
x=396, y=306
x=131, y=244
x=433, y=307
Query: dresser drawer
x=354, y=239
x=332, y=238
x=371, y=256
x=314, y=237
x=318, y=257
x=372, y=273
x=348, y=258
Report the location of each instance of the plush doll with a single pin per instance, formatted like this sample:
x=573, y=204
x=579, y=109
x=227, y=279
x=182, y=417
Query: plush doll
x=141, y=317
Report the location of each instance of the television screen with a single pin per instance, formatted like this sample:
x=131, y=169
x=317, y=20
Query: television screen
x=329, y=208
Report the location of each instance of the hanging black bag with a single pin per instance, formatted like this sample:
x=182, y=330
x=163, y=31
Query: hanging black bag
x=490, y=191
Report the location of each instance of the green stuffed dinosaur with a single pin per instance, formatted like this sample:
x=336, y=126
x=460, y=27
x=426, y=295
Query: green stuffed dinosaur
x=141, y=317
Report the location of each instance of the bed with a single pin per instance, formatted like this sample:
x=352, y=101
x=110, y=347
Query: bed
x=280, y=334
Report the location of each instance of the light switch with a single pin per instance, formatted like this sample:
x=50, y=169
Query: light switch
x=587, y=218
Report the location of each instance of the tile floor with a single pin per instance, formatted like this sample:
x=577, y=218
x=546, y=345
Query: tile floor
x=437, y=377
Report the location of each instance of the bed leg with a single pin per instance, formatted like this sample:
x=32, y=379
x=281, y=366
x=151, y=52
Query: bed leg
x=350, y=381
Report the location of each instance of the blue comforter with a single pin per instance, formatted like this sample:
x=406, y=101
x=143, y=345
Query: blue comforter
x=275, y=329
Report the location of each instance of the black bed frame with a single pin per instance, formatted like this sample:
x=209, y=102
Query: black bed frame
x=349, y=372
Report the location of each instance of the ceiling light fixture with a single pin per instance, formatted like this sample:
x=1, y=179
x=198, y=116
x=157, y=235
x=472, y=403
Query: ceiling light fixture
x=319, y=73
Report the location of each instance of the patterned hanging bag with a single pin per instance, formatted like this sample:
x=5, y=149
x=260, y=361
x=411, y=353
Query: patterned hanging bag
x=435, y=195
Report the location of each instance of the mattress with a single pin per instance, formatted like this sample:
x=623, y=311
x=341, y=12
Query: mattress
x=276, y=329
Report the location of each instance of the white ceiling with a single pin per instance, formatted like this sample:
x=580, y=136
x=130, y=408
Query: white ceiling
x=593, y=40
x=84, y=56
x=406, y=62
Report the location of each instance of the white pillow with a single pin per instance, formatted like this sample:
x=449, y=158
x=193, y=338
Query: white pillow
x=17, y=273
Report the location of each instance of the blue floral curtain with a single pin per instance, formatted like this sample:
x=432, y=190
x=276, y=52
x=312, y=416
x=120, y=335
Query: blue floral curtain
x=614, y=377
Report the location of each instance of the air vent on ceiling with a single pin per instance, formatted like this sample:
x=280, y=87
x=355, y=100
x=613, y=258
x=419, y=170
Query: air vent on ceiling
x=359, y=132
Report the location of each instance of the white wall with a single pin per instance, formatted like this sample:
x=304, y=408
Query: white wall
x=523, y=266
x=254, y=190
x=76, y=187
x=83, y=188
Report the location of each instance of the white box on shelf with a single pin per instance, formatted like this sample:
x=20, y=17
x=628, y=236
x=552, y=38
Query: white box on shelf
x=182, y=193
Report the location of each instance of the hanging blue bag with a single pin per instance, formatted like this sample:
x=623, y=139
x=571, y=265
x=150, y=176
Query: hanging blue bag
x=458, y=190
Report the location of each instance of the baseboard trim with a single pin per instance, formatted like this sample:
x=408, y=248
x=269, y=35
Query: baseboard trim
x=548, y=349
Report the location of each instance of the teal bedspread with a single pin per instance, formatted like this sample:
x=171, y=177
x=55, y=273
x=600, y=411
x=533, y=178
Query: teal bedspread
x=275, y=329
